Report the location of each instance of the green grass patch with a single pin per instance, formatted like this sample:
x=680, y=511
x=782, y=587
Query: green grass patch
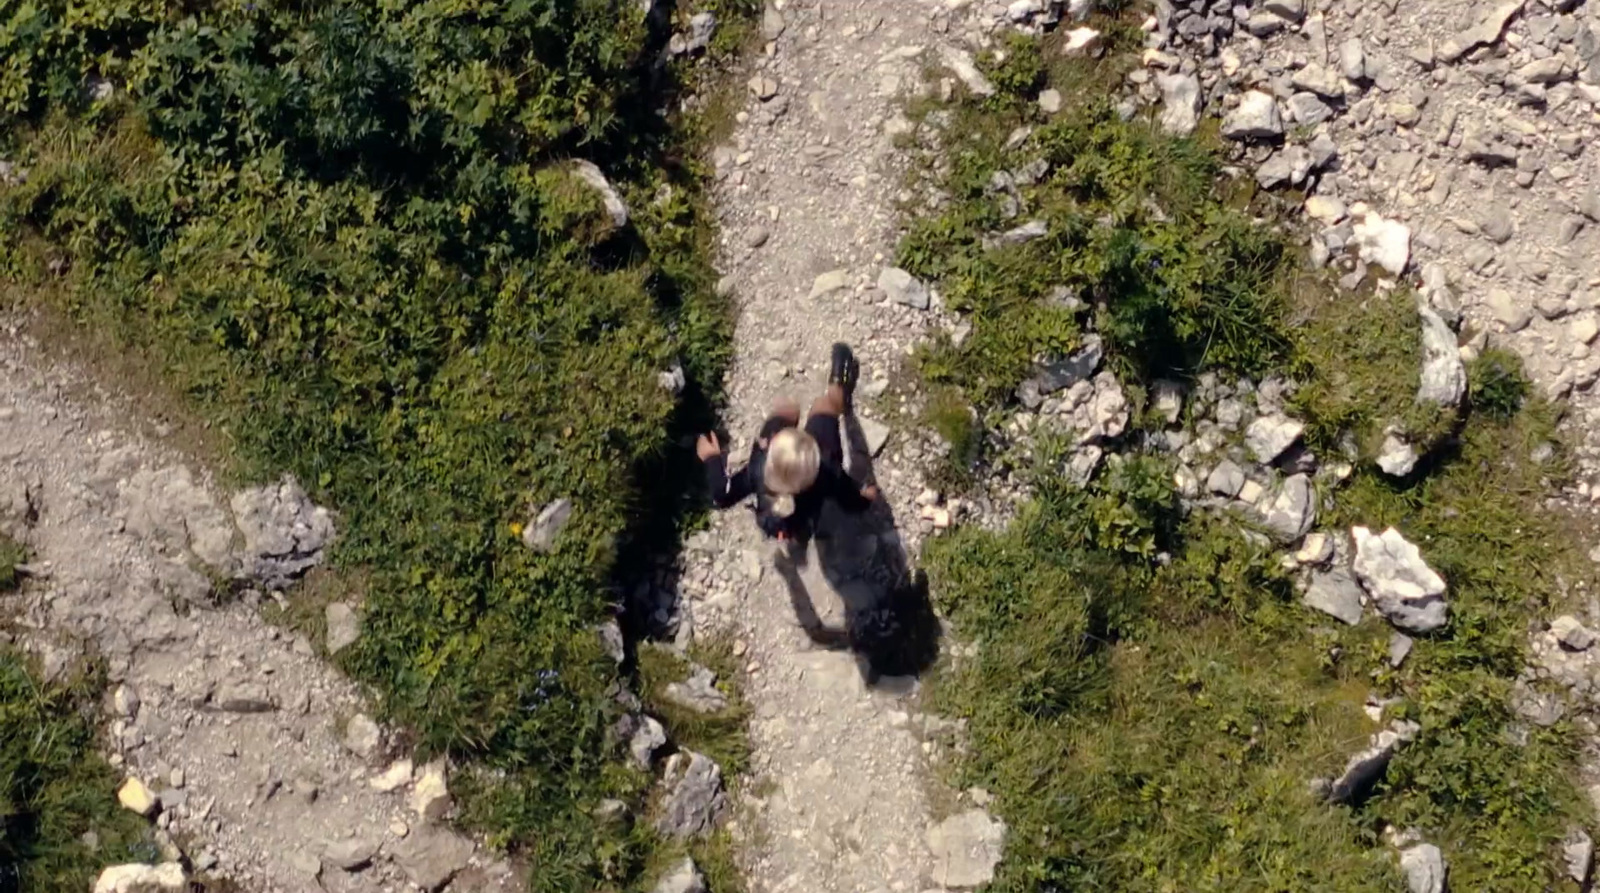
x=350, y=235
x=1149, y=700
x=11, y=554
x=60, y=823
x=1361, y=355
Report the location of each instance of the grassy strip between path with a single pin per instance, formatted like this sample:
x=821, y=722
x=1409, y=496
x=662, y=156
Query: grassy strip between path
x=351, y=234
x=1152, y=725
x=59, y=822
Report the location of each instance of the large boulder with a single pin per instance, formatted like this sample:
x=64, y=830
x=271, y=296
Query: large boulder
x=284, y=533
x=1403, y=587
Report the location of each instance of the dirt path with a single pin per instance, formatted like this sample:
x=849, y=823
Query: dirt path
x=807, y=201
x=240, y=732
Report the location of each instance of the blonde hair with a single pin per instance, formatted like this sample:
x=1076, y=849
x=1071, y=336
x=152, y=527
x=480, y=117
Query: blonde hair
x=793, y=461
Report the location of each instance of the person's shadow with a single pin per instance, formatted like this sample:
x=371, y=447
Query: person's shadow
x=887, y=620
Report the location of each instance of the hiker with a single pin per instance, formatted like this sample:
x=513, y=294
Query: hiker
x=793, y=469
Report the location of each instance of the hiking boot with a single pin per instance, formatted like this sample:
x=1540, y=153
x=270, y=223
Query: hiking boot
x=844, y=373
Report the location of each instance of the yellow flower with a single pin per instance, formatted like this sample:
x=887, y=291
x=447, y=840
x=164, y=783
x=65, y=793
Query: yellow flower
x=516, y=529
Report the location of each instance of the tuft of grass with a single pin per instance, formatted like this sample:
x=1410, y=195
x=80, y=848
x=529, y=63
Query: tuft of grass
x=60, y=823
x=11, y=554
x=1361, y=359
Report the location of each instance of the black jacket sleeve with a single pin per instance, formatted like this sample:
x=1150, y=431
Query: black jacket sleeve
x=726, y=490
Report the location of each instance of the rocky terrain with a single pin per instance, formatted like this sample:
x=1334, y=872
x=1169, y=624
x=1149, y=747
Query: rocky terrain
x=253, y=758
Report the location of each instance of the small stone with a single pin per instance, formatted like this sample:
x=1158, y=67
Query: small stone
x=1335, y=593
x=903, y=288
x=1251, y=492
x=344, y=627
x=430, y=799
x=1400, y=646
x=1584, y=329
x=683, y=878
x=960, y=62
x=1050, y=101
x=362, y=736
x=1424, y=868
x=756, y=237
x=540, y=533
x=430, y=857
x=1308, y=110
x=135, y=797
x=1577, y=851
x=695, y=798
x=1397, y=458
x=591, y=175
x=1571, y=633
x=244, y=697
x=125, y=700
x=1496, y=223
x=829, y=282
x=1255, y=118
x=1353, y=60
x=763, y=87
x=352, y=854
x=1386, y=243
x=1082, y=42
x=397, y=776
x=1317, y=549
x=1511, y=313
x=648, y=737
x=1268, y=437
x=1326, y=210
x=1180, y=99
x=772, y=24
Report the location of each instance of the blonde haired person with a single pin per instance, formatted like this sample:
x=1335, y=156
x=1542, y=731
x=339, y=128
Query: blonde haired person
x=793, y=469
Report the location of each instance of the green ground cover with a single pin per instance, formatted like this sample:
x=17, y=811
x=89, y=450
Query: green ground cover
x=1149, y=699
x=350, y=236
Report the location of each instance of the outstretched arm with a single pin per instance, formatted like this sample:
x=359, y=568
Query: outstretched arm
x=726, y=490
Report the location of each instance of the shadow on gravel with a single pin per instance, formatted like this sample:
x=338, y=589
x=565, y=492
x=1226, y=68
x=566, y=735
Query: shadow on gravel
x=889, y=622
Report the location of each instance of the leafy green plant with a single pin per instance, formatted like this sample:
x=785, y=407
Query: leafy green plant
x=1497, y=384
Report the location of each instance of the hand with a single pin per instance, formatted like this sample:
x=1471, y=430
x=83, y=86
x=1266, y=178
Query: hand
x=707, y=447
x=870, y=492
